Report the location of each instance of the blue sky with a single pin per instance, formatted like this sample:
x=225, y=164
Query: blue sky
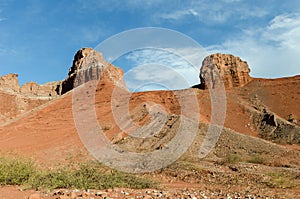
x=39, y=38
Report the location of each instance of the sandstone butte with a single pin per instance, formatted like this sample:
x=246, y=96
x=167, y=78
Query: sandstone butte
x=233, y=71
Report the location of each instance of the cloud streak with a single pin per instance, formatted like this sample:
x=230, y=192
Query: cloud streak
x=212, y=12
x=179, y=14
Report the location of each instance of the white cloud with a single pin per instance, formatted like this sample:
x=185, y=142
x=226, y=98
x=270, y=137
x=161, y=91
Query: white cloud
x=171, y=68
x=285, y=29
x=175, y=15
x=272, y=51
x=211, y=12
x=156, y=77
x=285, y=21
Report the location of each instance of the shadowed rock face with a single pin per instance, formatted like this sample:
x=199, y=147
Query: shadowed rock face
x=233, y=71
x=272, y=127
x=88, y=65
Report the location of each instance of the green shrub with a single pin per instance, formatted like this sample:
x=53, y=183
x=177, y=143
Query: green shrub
x=90, y=175
x=15, y=171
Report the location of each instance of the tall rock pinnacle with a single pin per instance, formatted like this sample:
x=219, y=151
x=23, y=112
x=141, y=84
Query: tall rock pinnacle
x=88, y=65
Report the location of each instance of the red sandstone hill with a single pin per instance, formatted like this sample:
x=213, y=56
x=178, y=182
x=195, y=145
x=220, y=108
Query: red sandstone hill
x=256, y=110
x=42, y=129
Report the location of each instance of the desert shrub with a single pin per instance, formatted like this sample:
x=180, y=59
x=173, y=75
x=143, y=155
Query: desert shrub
x=15, y=171
x=257, y=159
x=280, y=180
x=231, y=158
x=89, y=175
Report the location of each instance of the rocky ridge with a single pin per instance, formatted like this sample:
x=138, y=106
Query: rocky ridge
x=88, y=65
x=10, y=84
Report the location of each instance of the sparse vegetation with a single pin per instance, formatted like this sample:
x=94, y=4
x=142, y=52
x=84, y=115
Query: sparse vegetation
x=16, y=171
x=90, y=175
x=257, y=159
x=185, y=166
x=280, y=179
x=231, y=158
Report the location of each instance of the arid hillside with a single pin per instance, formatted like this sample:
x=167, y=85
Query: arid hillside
x=261, y=133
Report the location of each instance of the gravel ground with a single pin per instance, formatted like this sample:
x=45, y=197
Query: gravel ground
x=152, y=193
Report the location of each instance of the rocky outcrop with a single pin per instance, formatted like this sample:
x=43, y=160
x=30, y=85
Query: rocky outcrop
x=15, y=100
x=34, y=89
x=88, y=65
x=272, y=127
x=230, y=69
x=9, y=82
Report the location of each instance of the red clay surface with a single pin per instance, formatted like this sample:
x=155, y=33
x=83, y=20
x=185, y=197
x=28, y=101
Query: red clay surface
x=50, y=135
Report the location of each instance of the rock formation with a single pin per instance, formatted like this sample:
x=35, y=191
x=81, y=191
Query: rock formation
x=89, y=64
x=34, y=89
x=233, y=71
x=15, y=100
x=272, y=127
x=9, y=82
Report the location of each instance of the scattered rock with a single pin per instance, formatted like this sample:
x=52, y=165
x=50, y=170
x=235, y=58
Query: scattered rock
x=233, y=168
x=291, y=118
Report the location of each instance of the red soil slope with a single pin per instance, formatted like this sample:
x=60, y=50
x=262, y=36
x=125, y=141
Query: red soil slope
x=49, y=134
